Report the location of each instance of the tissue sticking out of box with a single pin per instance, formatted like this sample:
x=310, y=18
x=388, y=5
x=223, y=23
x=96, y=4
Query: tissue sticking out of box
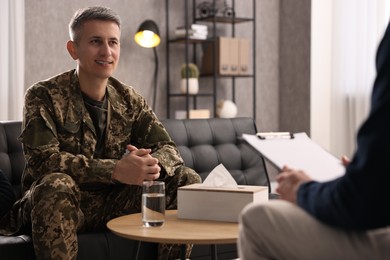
x=219, y=177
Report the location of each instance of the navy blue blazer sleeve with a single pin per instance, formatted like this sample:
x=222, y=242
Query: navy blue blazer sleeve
x=360, y=198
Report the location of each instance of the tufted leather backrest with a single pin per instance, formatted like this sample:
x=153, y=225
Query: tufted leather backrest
x=11, y=153
x=205, y=143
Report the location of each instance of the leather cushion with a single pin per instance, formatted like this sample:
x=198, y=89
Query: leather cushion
x=205, y=143
x=7, y=195
x=11, y=153
x=16, y=247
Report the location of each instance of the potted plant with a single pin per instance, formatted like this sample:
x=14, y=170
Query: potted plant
x=189, y=72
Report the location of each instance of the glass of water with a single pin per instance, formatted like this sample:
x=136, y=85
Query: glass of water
x=153, y=203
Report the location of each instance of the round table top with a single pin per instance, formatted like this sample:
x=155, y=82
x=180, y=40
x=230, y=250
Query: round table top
x=175, y=230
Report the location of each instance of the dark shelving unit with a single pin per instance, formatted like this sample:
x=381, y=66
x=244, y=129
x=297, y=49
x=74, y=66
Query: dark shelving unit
x=186, y=41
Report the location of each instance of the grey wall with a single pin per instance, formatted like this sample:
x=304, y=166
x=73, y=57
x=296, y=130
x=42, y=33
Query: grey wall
x=294, y=63
x=282, y=60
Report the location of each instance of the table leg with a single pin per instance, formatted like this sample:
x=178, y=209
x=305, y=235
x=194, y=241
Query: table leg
x=138, y=249
x=214, y=254
x=183, y=250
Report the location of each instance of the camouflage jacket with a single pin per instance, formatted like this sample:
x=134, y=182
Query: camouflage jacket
x=58, y=134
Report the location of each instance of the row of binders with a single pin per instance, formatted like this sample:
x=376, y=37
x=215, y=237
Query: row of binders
x=196, y=31
x=232, y=56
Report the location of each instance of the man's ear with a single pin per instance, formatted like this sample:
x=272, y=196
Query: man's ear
x=70, y=45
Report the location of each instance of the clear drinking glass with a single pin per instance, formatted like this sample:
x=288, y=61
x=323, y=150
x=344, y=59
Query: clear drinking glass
x=153, y=203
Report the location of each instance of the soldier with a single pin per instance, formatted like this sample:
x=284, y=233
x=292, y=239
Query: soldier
x=77, y=127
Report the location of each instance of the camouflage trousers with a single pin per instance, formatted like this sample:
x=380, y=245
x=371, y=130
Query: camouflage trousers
x=58, y=209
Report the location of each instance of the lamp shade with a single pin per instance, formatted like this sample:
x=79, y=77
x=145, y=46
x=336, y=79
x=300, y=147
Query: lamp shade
x=148, y=35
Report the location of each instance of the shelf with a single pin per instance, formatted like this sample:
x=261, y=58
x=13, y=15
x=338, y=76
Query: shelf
x=184, y=40
x=222, y=19
x=227, y=76
x=191, y=95
x=213, y=80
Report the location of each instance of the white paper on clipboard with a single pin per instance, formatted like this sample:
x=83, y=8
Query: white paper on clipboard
x=299, y=152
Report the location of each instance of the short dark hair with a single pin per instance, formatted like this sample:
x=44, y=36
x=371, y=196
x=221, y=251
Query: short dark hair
x=90, y=13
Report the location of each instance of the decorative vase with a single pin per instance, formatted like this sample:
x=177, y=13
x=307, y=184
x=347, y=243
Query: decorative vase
x=226, y=109
x=193, y=86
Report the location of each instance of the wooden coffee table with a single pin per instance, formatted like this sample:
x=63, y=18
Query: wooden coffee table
x=174, y=230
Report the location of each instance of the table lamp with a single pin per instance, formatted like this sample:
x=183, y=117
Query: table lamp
x=148, y=36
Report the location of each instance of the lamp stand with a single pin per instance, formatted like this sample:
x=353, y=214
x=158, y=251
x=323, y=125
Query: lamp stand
x=155, y=77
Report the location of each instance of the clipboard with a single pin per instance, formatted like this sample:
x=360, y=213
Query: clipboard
x=297, y=151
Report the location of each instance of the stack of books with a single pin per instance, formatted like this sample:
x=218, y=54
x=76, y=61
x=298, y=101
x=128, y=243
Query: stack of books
x=196, y=31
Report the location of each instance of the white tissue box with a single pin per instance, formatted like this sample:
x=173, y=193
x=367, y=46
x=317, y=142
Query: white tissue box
x=196, y=201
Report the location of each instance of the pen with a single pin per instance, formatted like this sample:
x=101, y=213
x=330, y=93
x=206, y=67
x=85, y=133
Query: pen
x=275, y=135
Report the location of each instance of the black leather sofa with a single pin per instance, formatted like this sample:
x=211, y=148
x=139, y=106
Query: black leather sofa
x=203, y=144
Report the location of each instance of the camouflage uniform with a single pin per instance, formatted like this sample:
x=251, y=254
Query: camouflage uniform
x=67, y=190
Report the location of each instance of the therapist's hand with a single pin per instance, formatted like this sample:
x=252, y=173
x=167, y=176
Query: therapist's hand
x=289, y=181
x=345, y=160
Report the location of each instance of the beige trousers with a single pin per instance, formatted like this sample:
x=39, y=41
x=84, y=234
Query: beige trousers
x=282, y=230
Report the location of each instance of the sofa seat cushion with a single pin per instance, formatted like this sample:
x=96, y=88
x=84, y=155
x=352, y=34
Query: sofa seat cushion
x=96, y=245
x=16, y=247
